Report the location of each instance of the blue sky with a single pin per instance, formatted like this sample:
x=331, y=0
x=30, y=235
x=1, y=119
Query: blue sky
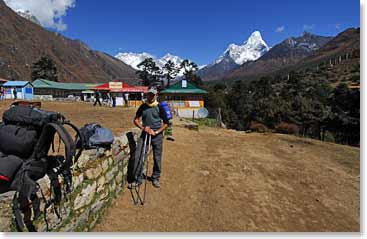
x=200, y=30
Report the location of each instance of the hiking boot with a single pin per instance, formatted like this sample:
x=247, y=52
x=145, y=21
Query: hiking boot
x=133, y=185
x=156, y=183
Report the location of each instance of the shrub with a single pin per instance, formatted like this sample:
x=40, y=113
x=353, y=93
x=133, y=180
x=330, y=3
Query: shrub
x=207, y=122
x=355, y=79
x=329, y=137
x=258, y=127
x=287, y=128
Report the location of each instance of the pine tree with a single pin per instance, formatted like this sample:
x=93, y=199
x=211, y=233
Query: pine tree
x=149, y=73
x=190, y=68
x=170, y=71
x=44, y=68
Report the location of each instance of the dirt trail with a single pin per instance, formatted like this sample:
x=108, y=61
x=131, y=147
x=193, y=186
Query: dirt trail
x=117, y=119
x=223, y=180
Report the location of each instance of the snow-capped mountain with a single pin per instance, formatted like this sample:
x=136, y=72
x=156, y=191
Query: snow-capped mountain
x=28, y=15
x=285, y=54
x=201, y=67
x=236, y=55
x=133, y=59
x=250, y=50
x=175, y=59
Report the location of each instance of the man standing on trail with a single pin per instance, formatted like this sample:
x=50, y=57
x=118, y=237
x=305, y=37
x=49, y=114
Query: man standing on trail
x=154, y=122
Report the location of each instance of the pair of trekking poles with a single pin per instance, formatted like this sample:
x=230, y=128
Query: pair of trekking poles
x=144, y=158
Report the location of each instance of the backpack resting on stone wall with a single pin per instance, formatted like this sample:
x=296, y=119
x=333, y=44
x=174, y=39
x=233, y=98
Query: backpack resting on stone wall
x=26, y=136
x=19, y=141
x=9, y=168
x=95, y=136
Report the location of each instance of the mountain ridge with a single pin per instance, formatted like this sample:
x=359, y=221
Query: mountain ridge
x=29, y=16
x=24, y=42
x=288, y=52
x=234, y=56
x=134, y=59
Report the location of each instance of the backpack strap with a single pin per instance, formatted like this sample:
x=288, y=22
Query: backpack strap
x=26, y=201
x=78, y=135
x=18, y=219
x=46, y=139
x=26, y=205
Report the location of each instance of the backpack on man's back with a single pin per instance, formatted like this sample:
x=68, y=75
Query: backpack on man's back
x=164, y=106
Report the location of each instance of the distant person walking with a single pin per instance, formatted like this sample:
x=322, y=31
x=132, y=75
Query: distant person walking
x=151, y=118
x=113, y=101
x=1, y=93
x=98, y=98
x=15, y=93
x=108, y=100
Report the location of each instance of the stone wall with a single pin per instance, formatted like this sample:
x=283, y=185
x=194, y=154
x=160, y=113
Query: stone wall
x=98, y=177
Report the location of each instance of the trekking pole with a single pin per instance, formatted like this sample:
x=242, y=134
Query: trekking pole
x=147, y=168
x=140, y=166
x=136, y=171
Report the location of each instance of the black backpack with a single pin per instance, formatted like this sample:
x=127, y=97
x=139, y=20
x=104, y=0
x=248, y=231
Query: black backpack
x=26, y=136
x=19, y=141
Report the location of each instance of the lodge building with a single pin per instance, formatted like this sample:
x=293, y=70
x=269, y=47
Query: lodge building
x=184, y=98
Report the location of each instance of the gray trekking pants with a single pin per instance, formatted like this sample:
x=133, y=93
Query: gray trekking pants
x=157, y=147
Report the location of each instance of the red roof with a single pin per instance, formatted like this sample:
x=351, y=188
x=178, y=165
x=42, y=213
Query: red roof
x=120, y=87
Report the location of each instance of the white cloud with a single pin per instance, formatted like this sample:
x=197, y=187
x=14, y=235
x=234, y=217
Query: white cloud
x=307, y=27
x=280, y=29
x=337, y=26
x=48, y=12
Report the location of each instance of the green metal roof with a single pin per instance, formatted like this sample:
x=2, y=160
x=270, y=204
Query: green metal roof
x=189, y=89
x=46, y=84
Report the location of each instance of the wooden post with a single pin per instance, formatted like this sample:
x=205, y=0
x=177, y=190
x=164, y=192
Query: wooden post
x=220, y=116
x=193, y=114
